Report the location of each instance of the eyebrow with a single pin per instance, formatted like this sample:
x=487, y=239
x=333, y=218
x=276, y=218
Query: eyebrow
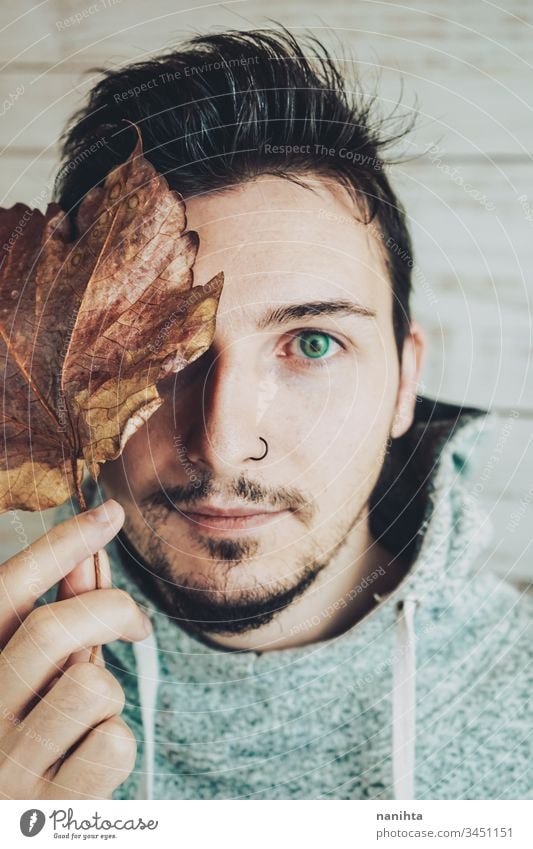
x=289, y=312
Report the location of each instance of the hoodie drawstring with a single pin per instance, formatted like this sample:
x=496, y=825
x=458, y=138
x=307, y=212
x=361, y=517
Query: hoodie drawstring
x=146, y=656
x=404, y=701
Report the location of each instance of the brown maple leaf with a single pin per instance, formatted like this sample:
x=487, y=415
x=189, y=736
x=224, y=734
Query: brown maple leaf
x=89, y=324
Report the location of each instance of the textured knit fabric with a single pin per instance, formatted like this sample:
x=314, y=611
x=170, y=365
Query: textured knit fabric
x=336, y=719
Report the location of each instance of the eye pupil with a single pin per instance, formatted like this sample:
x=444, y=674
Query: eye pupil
x=314, y=344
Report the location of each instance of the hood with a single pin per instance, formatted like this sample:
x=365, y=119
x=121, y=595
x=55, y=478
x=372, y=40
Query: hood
x=419, y=509
x=403, y=501
x=420, y=504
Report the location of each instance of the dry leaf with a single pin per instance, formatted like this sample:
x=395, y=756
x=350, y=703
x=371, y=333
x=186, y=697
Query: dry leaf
x=88, y=326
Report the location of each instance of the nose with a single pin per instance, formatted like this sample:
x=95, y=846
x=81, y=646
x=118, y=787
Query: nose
x=224, y=433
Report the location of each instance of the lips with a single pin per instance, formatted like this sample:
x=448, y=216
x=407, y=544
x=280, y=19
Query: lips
x=226, y=519
x=212, y=510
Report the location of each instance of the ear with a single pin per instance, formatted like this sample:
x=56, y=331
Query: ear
x=414, y=348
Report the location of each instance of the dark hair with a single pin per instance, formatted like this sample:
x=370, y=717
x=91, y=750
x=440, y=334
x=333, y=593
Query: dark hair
x=208, y=111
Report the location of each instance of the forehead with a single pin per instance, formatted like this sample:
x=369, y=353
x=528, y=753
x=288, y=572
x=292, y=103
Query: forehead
x=279, y=241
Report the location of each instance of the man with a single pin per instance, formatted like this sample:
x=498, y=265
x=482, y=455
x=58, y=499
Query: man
x=294, y=518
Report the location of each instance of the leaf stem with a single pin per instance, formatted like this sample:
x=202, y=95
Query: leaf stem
x=96, y=558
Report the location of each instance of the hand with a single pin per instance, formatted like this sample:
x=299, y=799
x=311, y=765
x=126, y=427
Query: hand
x=61, y=735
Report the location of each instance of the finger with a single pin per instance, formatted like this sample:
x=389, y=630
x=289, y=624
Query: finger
x=52, y=632
x=101, y=762
x=29, y=574
x=81, y=699
x=80, y=580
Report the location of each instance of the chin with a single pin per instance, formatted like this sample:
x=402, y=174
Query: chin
x=256, y=575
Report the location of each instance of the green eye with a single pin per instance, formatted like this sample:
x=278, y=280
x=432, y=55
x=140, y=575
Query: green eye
x=314, y=344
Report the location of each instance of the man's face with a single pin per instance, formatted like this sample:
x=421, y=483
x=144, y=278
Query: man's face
x=320, y=388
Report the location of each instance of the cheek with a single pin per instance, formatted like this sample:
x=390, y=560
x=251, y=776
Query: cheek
x=339, y=432
x=146, y=453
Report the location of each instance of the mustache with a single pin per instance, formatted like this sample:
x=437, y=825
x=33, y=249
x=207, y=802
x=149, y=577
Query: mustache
x=183, y=497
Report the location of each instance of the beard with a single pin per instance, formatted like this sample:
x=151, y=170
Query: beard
x=211, y=603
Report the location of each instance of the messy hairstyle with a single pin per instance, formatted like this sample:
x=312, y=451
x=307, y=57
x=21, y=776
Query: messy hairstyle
x=217, y=111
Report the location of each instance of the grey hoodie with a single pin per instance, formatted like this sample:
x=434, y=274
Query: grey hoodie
x=426, y=697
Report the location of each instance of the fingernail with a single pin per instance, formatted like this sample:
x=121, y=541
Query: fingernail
x=108, y=512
